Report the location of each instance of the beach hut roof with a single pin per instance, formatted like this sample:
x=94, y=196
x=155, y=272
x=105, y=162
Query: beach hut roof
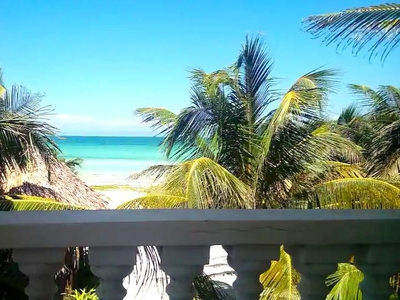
x=57, y=182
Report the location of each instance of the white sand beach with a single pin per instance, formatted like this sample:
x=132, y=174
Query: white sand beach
x=123, y=190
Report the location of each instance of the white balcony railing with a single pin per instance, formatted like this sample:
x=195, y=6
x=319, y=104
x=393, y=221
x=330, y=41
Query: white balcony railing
x=316, y=239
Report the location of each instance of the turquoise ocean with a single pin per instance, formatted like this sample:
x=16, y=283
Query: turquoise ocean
x=109, y=159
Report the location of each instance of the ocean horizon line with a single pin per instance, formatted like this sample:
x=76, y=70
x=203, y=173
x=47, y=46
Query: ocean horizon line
x=101, y=136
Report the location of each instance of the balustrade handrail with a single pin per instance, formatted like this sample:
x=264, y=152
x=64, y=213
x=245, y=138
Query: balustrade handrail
x=106, y=228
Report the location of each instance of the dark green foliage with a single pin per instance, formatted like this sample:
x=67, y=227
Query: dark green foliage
x=12, y=281
x=375, y=27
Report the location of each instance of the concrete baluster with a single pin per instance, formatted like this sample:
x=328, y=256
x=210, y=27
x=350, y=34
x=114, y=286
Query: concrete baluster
x=40, y=265
x=182, y=264
x=111, y=265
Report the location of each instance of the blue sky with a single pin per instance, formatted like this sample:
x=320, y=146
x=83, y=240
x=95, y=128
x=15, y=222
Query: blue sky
x=98, y=60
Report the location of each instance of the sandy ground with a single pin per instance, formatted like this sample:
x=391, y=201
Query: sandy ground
x=117, y=197
x=218, y=268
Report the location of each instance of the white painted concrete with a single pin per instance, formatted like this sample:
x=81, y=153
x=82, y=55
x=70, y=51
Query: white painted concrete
x=317, y=239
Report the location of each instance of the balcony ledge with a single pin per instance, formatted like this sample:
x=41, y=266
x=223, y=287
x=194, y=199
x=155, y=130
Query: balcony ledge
x=52, y=229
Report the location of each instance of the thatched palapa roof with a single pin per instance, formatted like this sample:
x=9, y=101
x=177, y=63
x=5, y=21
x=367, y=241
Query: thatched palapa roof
x=58, y=183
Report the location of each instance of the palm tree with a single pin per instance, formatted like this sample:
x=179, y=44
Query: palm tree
x=375, y=126
x=25, y=139
x=232, y=150
x=24, y=133
x=376, y=28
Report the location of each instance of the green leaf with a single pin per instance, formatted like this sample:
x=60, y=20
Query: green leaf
x=160, y=117
x=280, y=280
x=207, y=184
x=345, y=283
x=356, y=193
x=303, y=103
x=41, y=205
x=155, y=201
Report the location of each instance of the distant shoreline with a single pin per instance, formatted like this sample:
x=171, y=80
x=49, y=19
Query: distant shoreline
x=111, y=136
x=118, y=189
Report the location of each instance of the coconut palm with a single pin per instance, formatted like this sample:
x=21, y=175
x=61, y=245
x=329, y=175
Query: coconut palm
x=376, y=28
x=232, y=150
x=24, y=132
x=26, y=141
x=375, y=125
x=371, y=122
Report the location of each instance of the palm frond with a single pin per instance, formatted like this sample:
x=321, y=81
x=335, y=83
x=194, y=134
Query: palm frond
x=349, y=115
x=155, y=172
x=24, y=131
x=42, y=205
x=390, y=98
x=19, y=100
x=300, y=157
x=345, y=283
x=155, y=201
x=331, y=144
x=370, y=99
x=301, y=104
x=346, y=170
x=2, y=91
x=280, y=280
x=200, y=183
x=375, y=27
x=254, y=83
x=148, y=271
x=207, y=289
x=160, y=117
x=206, y=184
x=213, y=82
x=213, y=120
x=355, y=193
x=73, y=163
x=384, y=159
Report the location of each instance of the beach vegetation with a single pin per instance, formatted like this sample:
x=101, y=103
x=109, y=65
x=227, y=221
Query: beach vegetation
x=27, y=139
x=24, y=131
x=243, y=144
x=81, y=294
x=231, y=148
x=115, y=187
x=74, y=163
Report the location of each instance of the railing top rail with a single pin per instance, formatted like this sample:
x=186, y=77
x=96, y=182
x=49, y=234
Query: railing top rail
x=33, y=229
x=161, y=215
